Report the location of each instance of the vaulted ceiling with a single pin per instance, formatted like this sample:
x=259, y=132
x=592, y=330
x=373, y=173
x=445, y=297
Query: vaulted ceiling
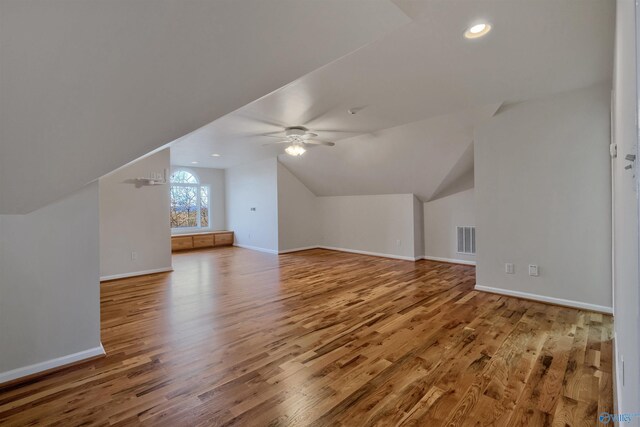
x=88, y=86
x=418, y=92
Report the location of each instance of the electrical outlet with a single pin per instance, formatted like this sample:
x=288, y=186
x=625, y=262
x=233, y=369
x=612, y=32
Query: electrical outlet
x=134, y=255
x=398, y=243
x=509, y=268
x=533, y=270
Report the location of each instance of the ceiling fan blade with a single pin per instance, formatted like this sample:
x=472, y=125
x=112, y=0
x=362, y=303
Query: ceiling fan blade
x=263, y=120
x=276, y=143
x=318, y=142
x=342, y=131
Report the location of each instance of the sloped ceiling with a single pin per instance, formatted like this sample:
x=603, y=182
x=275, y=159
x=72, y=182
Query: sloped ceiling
x=415, y=89
x=87, y=86
x=459, y=178
x=414, y=158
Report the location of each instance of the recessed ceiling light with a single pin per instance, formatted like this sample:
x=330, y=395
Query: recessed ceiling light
x=194, y=163
x=477, y=30
x=215, y=155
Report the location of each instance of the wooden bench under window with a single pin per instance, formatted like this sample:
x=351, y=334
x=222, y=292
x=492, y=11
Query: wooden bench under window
x=211, y=239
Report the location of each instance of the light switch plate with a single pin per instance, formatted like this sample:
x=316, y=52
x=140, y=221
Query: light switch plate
x=509, y=268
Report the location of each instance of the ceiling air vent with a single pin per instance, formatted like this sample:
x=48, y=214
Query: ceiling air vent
x=466, y=240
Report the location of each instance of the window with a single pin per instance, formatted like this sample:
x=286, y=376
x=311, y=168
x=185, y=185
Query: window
x=189, y=201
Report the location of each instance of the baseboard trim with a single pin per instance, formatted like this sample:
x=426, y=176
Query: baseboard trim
x=48, y=366
x=378, y=254
x=330, y=248
x=306, y=248
x=449, y=260
x=616, y=383
x=135, y=274
x=359, y=252
x=546, y=299
x=256, y=248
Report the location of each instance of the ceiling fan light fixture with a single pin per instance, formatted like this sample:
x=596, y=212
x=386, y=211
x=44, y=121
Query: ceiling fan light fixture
x=295, y=150
x=298, y=139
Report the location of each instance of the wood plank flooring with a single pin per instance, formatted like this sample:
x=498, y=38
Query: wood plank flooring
x=322, y=338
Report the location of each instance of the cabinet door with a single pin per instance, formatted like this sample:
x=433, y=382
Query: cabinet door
x=204, y=241
x=223, y=239
x=180, y=243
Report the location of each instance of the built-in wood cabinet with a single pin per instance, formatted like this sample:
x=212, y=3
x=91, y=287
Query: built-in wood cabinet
x=201, y=240
x=223, y=239
x=179, y=243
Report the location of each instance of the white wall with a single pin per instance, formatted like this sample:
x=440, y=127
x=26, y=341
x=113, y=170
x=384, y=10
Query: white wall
x=140, y=74
x=627, y=299
x=381, y=224
x=214, y=178
x=135, y=218
x=49, y=286
x=299, y=218
x=253, y=185
x=543, y=196
x=441, y=217
x=289, y=216
x=418, y=228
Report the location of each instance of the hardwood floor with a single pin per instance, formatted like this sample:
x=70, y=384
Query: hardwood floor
x=318, y=338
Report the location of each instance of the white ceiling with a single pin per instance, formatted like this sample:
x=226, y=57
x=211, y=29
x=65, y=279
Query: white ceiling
x=413, y=158
x=87, y=86
x=425, y=69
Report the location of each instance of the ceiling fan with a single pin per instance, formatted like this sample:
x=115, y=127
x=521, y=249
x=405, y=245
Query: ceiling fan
x=299, y=139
